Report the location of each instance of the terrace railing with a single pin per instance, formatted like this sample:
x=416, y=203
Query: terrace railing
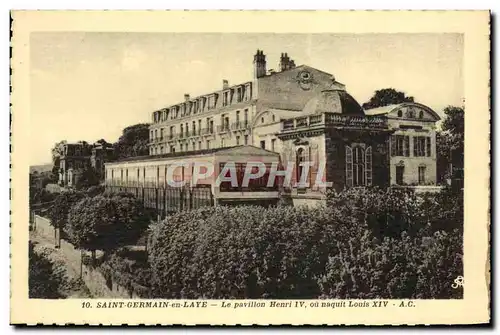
x=333, y=119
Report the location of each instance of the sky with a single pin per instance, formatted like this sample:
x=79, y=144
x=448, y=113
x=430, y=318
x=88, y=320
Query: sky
x=88, y=86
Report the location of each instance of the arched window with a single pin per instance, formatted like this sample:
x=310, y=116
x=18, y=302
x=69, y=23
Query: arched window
x=421, y=114
x=400, y=113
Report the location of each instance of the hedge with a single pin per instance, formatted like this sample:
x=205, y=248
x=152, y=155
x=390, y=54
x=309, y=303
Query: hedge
x=365, y=243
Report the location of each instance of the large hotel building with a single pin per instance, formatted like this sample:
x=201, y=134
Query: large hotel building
x=296, y=114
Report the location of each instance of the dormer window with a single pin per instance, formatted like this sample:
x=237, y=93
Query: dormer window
x=239, y=93
x=248, y=92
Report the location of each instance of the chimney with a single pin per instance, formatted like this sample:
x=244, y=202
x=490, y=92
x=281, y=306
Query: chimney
x=259, y=64
x=291, y=64
x=186, y=97
x=225, y=84
x=284, y=62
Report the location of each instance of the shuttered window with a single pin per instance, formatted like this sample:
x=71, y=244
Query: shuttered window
x=428, y=145
x=400, y=145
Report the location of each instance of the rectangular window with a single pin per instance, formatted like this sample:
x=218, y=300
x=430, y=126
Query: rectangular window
x=182, y=147
x=419, y=146
x=421, y=175
x=358, y=166
x=263, y=144
x=239, y=94
x=161, y=133
x=222, y=143
x=428, y=146
x=194, y=146
x=400, y=145
x=246, y=139
x=237, y=140
x=400, y=171
x=348, y=166
x=208, y=144
x=199, y=145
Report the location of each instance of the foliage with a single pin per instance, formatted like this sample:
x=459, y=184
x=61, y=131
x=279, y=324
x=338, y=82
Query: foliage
x=133, y=142
x=62, y=204
x=106, y=222
x=365, y=243
x=95, y=190
x=88, y=179
x=38, y=196
x=130, y=270
x=385, y=97
x=56, y=155
x=44, y=281
x=450, y=142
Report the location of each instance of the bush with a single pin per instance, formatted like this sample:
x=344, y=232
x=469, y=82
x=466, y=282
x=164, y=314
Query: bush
x=44, y=281
x=106, y=222
x=129, y=270
x=365, y=243
x=92, y=191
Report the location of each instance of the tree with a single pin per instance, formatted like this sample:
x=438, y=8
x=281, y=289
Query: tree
x=385, y=97
x=106, y=222
x=133, y=142
x=43, y=281
x=57, y=152
x=450, y=144
x=88, y=178
x=59, y=213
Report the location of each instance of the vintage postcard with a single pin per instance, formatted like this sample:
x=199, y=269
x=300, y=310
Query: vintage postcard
x=250, y=167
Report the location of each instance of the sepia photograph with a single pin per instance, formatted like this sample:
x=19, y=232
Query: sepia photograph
x=246, y=170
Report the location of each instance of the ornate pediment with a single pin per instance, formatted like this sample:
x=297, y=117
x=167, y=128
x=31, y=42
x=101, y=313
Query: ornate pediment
x=301, y=141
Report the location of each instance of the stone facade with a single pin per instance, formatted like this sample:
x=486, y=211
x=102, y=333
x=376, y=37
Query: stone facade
x=304, y=115
x=78, y=157
x=413, y=143
x=74, y=159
